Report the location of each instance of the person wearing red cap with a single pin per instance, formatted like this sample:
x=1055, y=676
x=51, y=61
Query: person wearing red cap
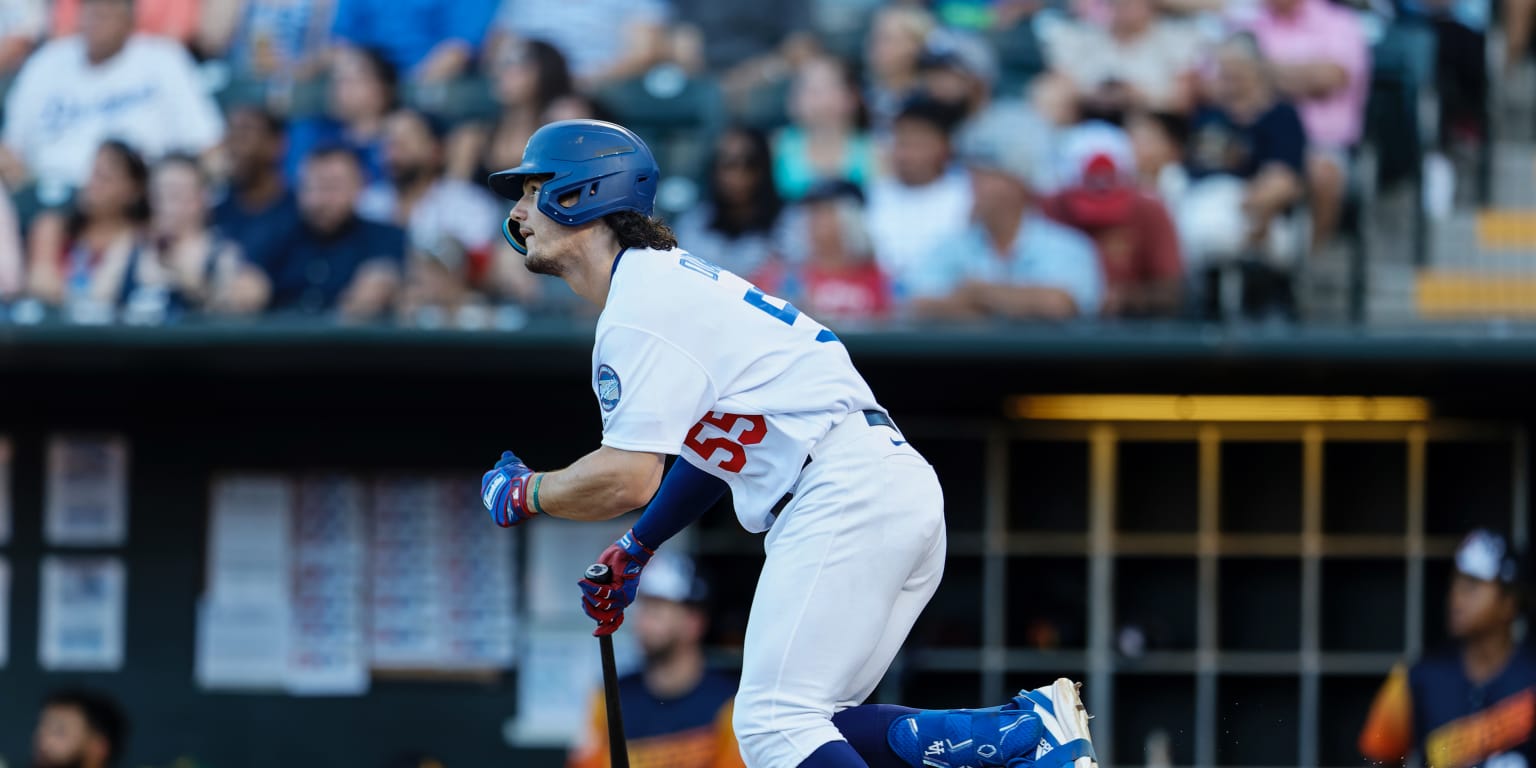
x=1137, y=243
x=1474, y=704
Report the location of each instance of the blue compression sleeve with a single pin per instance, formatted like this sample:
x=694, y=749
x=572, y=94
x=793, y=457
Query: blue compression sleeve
x=684, y=496
x=866, y=728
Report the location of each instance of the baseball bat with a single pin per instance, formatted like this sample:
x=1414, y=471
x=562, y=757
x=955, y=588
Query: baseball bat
x=618, y=749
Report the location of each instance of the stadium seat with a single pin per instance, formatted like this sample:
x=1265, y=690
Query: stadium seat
x=466, y=98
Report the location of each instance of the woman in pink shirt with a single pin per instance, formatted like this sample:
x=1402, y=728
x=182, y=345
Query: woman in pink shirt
x=1321, y=62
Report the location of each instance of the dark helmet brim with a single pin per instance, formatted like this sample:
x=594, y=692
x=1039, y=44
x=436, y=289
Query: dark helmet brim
x=509, y=183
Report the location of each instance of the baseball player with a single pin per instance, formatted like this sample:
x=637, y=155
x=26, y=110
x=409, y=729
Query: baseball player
x=757, y=398
x=1474, y=704
x=677, y=711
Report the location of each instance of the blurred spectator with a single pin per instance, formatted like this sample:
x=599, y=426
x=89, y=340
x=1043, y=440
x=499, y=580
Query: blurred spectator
x=175, y=19
x=826, y=138
x=891, y=55
x=429, y=206
x=1461, y=65
x=336, y=260
x=961, y=69
x=449, y=223
x=1158, y=140
x=362, y=93
x=103, y=83
x=837, y=277
x=735, y=225
x=78, y=258
x=79, y=729
x=258, y=210
x=575, y=106
x=1245, y=164
x=1321, y=62
x=744, y=45
x=604, y=40
x=190, y=266
x=22, y=23
x=13, y=256
x=1471, y=704
x=1138, y=246
x=1012, y=261
x=1136, y=61
x=1518, y=16
x=925, y=196
x=527, y=76
x=677, y=711
x=282, y=40
x=983, y=15
x=428, y=41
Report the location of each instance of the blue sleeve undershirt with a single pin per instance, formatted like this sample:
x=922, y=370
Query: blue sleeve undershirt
x=685, y=494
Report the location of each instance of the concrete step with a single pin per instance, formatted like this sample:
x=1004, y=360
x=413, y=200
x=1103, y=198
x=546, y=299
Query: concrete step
x=1514, y=174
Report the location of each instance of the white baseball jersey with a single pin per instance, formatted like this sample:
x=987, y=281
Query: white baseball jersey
x=693, y=360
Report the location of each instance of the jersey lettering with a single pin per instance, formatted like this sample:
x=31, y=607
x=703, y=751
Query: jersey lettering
x=786, y=314
x=735, y=454
x=693, y=263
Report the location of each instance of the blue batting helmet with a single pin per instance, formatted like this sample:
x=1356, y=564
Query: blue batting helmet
x=608, y=167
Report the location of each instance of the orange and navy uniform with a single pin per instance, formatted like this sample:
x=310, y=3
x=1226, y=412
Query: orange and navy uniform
x=692, y=731
x=1433, y=710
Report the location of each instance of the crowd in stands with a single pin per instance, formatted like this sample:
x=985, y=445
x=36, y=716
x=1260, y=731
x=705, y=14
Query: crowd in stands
x=867, y=160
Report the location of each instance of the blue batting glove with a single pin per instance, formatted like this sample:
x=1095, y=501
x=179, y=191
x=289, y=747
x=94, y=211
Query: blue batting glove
x=504, y=491
x=605, y=603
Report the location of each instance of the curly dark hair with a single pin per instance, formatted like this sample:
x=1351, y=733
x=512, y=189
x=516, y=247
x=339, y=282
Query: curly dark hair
x=636, y=230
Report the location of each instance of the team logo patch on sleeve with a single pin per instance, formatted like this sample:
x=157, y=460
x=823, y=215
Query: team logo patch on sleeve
x=608, y=389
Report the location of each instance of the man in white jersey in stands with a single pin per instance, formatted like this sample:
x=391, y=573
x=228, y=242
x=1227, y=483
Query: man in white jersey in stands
x=760, y=399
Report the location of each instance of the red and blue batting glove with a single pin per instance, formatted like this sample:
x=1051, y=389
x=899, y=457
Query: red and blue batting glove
x=506, y=493
x=605, y=603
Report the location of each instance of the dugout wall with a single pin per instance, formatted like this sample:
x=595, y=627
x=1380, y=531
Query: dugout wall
x=1273, y=571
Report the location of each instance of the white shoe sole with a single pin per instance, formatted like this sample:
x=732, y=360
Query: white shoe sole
x=1072, y=716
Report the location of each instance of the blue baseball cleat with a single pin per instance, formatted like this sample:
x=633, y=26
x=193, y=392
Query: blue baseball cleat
x=1064, y=737
x=1043, y=728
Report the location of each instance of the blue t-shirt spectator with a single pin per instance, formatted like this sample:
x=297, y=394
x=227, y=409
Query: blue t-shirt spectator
x=262, y=233
x=1044, y=254
x=1219, y=144
x=313, y=271
x=407, y=31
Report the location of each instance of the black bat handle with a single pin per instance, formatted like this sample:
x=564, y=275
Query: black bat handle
x=618, y=749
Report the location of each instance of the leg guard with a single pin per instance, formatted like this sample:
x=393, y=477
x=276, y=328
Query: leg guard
x=965, y=738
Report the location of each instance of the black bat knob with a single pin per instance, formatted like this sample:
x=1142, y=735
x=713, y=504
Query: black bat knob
x=600, y=573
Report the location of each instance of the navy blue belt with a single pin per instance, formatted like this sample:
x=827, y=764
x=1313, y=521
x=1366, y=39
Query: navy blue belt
x=872, y=417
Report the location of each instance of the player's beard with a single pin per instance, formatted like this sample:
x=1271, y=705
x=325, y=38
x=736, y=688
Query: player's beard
x=661, y=653
x=541, y=264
